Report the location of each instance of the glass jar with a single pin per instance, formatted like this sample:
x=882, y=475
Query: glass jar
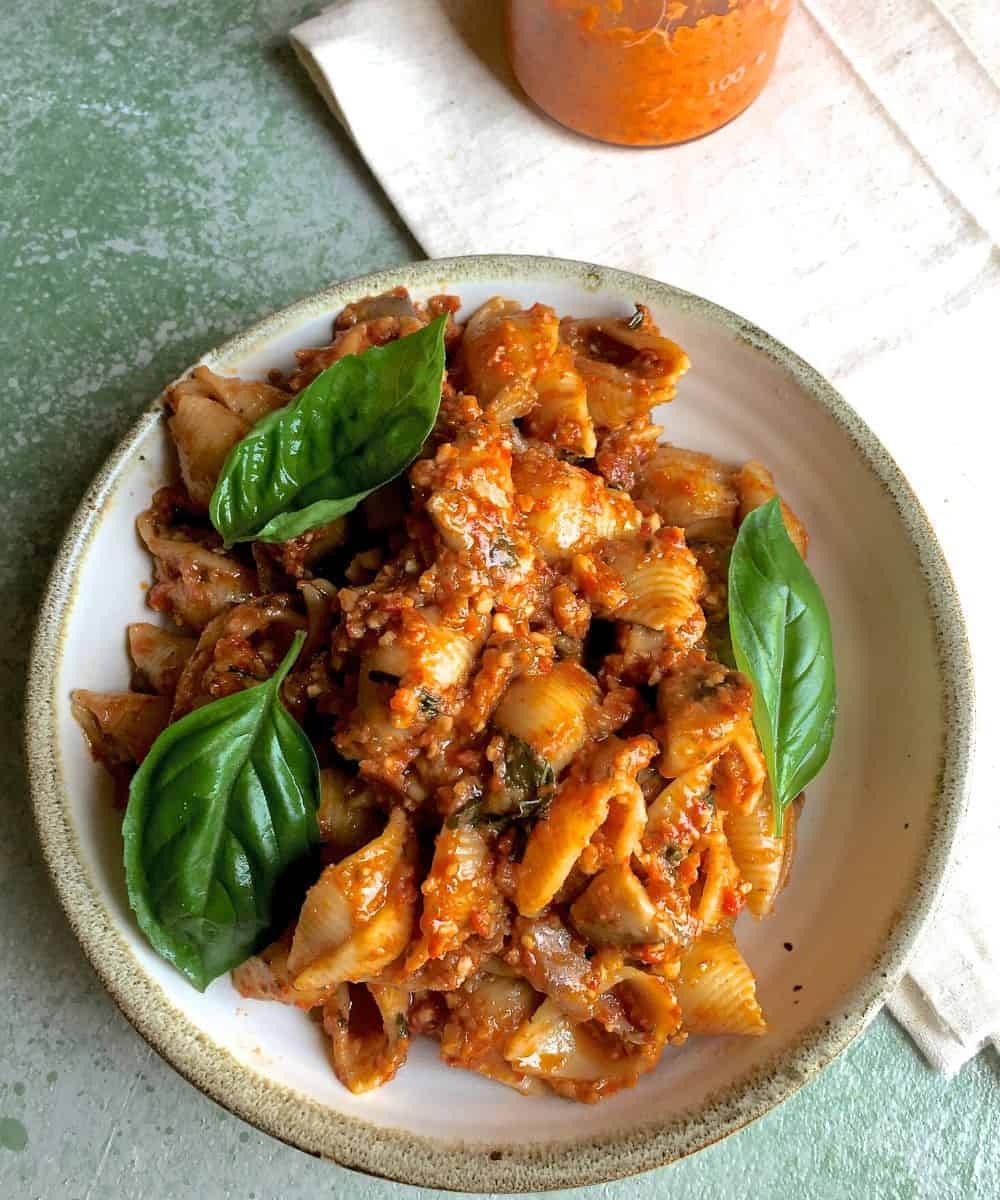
x=644, y=72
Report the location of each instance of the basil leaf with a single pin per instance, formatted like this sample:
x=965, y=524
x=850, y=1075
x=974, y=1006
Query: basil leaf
x=471, y=813
x=781, y=638
x=356, y=426
x=529, y=779
x=221, y=815
x=529, y=785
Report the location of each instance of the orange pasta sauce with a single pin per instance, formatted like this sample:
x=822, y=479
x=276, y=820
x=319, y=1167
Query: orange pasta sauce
x=644, y=72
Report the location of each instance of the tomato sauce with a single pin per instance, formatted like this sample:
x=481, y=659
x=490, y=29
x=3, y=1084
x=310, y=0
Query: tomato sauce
x=644, y=72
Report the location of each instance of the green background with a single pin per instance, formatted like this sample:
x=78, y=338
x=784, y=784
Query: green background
x=167, y=175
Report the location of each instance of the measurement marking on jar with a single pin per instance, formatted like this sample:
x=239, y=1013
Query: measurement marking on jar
x=727, y=81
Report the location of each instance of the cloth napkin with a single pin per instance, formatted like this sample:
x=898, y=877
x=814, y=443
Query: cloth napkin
x=853, y=211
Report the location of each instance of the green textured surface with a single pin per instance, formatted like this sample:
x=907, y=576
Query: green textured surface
x=167, y=175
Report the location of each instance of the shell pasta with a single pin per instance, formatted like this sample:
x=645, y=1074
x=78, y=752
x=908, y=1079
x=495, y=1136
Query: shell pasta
x=542, y=803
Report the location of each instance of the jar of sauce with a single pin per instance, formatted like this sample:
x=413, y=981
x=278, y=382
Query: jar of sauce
x=644, y=72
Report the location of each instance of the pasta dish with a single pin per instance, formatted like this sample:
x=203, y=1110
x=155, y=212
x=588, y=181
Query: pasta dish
x=495, y=700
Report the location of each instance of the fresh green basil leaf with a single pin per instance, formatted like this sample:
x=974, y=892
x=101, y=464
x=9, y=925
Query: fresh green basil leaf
x=356, y=426
x=221, y=818
x=781, y=638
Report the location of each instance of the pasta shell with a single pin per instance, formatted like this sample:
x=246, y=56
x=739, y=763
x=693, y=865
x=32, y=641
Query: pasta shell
x=193, y=583
x=369, y=1034
x=690, y=490
x=716, y=989
x=159, y=655
x=512, y=351
x=650, y=1006
x=480, y=1025
x=325, y=923
x=759, y=856
x=557, y=841
x=662, y=581
x=365, y=954
x=579, y=809
x=553, y=713
x=702, y=705
x=265, y=976
x=620, y=835
x=679, y=813
x=741, y=772
x=502, y=345
x=572, y=509
x=755, y=486
x=358, y=916
x=561, y=416
x=627, y=371
x=460, y=898
x=551, y=1046
x=719, y=876
x=120, y=727
x=426, y=653
x=250, y=399
x=204, y=432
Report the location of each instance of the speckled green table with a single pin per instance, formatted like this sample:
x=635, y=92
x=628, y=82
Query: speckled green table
x=167, y=174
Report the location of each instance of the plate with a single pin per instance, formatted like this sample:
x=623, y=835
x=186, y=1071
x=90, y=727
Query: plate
x=874, y=839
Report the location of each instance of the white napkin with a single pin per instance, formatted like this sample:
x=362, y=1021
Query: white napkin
x=853, y=211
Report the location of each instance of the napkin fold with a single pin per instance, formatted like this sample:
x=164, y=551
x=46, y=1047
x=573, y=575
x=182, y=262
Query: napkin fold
x=853, y=211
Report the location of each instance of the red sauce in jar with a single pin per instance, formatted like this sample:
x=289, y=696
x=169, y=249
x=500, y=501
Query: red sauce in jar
x=644, y=72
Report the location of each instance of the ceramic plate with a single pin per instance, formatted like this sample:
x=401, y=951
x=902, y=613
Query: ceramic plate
x=874, y=839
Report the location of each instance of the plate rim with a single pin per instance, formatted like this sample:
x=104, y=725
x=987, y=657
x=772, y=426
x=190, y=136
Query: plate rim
x=396, y=1154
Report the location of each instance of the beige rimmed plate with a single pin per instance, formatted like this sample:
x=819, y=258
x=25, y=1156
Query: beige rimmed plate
x=874, y=839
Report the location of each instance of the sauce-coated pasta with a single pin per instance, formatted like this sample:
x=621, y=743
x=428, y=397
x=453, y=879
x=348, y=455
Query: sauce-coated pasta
x=543, y=803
